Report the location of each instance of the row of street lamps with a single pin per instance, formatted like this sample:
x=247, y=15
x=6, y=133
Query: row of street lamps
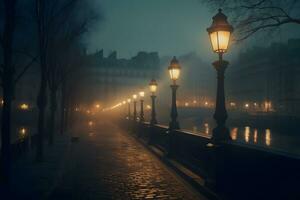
x=219, y=33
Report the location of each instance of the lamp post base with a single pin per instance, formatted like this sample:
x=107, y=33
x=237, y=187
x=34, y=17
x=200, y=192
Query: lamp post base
x=220, y=134
x=174, y=125
x=153, y=122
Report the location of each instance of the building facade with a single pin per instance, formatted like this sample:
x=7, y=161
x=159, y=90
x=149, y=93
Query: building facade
x=267, y=79
x=104, y=79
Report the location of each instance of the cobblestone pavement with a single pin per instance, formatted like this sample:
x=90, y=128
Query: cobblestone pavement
x=109, y=164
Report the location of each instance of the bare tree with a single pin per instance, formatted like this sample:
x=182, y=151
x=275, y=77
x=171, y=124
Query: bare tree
x=7, y=72
x=46, y=14
x=61, y=67
x=64, y=52
x=252, y=16
x=59, y=24
x=16, y=61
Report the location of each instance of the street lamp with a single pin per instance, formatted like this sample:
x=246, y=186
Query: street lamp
x=174, y=71
x=128, y=101
x=134, y=106
x=142, y=94
x=153, y=88
x=219, y=33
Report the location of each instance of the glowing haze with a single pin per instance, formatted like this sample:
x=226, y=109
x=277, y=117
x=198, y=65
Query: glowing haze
x=171, y=27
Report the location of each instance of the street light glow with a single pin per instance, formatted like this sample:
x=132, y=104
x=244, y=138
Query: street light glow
x=220, y=32
x=142, y=93
x=174, y=70
x=153, y=86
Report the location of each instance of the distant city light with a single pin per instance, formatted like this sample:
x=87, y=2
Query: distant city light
x=232, y=104
x=24, y=106
x=148, y=107
x=186, y=104
x=22, y=133
x=246, y=105
x=268, y=106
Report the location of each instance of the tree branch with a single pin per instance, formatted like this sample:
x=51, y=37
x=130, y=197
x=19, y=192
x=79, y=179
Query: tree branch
x=25, y=69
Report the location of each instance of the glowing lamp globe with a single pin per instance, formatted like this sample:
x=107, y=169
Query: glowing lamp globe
x=220, y=32
x=153, y=86
x=142, y=93
x=128, y=100
x=174, y=69
x=134, y=96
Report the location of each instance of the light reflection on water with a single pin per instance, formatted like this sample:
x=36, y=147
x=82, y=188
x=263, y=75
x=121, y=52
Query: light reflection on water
x=247, y=133
x=268, y=137
x=23, y=133
x=242, y=134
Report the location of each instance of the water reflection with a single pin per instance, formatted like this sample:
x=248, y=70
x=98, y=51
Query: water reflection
x=247, y=133
x=244, y=134
x=234, y=133
x=255, y=136
x=22, y=133
x=206, y=128
x=268, y=137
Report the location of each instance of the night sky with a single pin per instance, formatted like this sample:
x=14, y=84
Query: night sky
x=168, y=26
x=171, y=27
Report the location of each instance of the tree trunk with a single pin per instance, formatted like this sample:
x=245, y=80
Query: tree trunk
x=53, y=107
x=41, y=103
x=67, y=112
x=7, y=80
x=6, y=132
x=63, y=109
x=42, y=96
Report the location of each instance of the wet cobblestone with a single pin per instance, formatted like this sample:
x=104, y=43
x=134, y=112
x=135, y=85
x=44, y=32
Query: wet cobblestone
x=111, y=165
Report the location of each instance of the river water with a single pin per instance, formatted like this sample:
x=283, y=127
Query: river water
x=265, y=136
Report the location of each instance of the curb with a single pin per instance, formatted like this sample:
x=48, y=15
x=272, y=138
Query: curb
x=193, y=179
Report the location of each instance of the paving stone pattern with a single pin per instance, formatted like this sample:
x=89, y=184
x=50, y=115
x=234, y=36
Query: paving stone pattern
x=110, y=164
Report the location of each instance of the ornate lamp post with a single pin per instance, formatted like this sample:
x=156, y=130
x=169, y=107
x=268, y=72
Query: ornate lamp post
x=142, y=94
x=219, y=33
x=129, y=113
x=153, y=88
x=134, y=106
x=174, y=71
